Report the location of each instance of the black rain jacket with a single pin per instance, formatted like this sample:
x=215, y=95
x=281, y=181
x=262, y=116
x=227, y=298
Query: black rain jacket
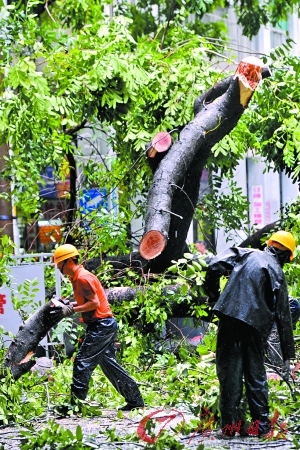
x=256, y=292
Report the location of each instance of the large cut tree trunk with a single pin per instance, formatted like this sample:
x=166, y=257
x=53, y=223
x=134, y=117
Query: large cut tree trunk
x=174, y=192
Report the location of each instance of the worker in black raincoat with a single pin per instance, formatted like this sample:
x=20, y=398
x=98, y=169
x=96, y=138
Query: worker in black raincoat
x=254, y=297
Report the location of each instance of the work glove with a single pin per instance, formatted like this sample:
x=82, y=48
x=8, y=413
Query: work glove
x=65, y=301
x=286, y=371
x=59, y=310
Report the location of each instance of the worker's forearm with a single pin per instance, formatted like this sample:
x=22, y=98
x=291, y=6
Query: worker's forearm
x=84, y=308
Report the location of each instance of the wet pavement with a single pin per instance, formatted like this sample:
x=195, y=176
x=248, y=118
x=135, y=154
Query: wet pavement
x=96, y=430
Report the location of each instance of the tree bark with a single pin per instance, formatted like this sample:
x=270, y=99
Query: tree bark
x=174, y=191
x=18, y=358
x=72, y=199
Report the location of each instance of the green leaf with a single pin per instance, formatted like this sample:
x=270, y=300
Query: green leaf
x=184, y=289
x=79, y=434
x=202, y=350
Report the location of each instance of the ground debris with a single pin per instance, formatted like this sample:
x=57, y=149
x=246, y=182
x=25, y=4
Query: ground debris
x=96, y=431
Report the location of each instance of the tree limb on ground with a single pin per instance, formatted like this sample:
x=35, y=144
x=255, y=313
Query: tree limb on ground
x=19, y=357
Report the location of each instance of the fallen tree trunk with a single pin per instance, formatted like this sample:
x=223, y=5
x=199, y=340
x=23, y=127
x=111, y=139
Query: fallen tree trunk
x=125, y=294
x=174, y=191
x=19, y=357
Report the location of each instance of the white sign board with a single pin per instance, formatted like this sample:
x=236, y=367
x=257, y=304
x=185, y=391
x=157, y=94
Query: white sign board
x=10, y=319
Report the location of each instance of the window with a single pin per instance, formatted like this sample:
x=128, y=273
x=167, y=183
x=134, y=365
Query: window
x=278, y=33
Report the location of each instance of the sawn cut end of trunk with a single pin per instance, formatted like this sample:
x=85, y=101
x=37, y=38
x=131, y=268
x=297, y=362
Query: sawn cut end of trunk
x=152, y=244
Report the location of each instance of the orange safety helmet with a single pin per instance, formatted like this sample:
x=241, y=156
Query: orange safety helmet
x=284, y=238
x=63, y=252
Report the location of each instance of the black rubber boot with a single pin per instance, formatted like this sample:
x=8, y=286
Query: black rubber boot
x=67, y=410
x=130, y=407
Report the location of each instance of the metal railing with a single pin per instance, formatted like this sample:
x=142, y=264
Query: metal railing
x=45, y=259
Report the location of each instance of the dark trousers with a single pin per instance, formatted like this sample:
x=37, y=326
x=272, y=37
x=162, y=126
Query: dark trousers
x=240, y=354
x=98, y=348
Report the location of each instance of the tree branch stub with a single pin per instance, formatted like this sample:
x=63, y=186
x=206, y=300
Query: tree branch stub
x=160, y=143
x=249, y=74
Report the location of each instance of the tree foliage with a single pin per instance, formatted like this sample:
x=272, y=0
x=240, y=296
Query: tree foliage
x=251, y=14
x=278, y=109
x=148, y=15
x=57, y=82
x=73, y=68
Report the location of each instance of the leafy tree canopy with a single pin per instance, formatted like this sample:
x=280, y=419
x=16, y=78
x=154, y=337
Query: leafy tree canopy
x=147, y=15
x=74, y=67
x=55, y=81
x=252, y=14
